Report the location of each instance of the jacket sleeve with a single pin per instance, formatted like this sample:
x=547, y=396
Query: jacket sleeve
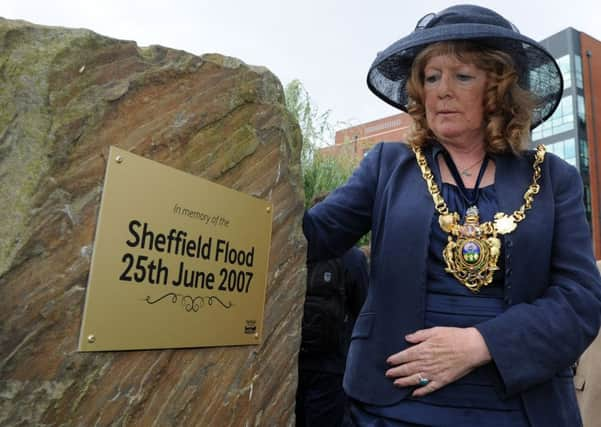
x=532, y=342
x=338, y=222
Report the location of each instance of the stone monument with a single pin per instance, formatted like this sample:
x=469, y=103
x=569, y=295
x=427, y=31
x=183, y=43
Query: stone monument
x=66, y=95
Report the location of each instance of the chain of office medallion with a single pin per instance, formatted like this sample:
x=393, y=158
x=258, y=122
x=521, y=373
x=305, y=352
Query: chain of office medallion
x=441, y=205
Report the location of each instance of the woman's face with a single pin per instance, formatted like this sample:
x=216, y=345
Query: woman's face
x=454, y=100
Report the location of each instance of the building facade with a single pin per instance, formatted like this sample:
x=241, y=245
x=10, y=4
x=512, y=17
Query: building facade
x=356, y=141
x=572, y=131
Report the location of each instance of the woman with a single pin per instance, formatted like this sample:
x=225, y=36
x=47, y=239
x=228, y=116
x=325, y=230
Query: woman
x=483, y=287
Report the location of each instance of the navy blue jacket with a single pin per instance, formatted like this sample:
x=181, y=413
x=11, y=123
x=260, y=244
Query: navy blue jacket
x=552, y=285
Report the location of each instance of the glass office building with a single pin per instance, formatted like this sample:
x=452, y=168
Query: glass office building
x=567, y=133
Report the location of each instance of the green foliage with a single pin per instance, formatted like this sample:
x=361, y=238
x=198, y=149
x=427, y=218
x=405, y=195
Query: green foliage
x=315, y=126
x=321, y=172
x=325, y=173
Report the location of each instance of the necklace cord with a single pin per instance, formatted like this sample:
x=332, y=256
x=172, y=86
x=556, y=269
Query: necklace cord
x=471, y=201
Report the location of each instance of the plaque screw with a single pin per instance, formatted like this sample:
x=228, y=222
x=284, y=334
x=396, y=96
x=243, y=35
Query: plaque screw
x=91, y=339
x=268, y=209
x=256, y=335
x=119, y=159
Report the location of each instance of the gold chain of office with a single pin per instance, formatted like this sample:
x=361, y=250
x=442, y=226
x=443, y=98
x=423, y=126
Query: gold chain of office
x=473, y=249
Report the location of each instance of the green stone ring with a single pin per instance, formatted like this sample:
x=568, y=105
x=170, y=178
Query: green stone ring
x=423, y=381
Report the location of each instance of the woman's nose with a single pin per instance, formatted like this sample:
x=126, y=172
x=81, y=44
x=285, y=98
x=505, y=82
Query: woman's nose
x=444, y=87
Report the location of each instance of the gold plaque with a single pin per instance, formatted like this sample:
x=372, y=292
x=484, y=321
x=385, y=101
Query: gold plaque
x=178, y=261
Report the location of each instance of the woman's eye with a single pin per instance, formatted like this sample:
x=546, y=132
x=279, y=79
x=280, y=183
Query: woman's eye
x=464, y=77
x=431, y=79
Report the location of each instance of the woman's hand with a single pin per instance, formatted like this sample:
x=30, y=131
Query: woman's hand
x=440, y=355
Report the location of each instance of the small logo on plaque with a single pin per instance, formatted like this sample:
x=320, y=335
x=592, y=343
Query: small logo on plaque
x=250, y=327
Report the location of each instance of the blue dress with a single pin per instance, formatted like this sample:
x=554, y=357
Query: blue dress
x=472, y=400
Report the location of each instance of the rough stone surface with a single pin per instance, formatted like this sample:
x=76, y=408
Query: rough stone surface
x=65, y=96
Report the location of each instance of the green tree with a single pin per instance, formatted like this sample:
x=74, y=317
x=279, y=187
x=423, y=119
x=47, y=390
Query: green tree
x=321, y=173
x=315, y=125
x=325, y=173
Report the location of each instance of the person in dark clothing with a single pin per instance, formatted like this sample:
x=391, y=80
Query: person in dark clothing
x=320, y=398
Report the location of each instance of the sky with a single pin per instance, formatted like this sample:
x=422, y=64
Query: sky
x=327, y=44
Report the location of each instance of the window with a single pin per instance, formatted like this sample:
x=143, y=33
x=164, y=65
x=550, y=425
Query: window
x=565, y=149
x=569, y=149
x=562, y=120
x=587, y=202
x=581, y=109
x=583, y=155
x=566, y=72
x=578, y=71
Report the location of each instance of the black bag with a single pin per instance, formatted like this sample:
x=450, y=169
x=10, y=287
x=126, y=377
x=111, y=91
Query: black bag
x=325, y=309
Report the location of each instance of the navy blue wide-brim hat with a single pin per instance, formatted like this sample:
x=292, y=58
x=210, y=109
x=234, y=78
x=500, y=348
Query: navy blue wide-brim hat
x=537, y=70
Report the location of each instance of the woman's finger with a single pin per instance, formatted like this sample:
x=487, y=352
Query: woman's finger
x=416, y=380
x=404, y=370
x=408, y=355
x=420, y=335
x=426, y=387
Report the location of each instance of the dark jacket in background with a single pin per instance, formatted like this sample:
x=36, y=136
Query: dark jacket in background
x=320, y=398
x=356, y=283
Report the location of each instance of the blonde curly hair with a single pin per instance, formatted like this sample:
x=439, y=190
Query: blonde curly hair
x=507, y=107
